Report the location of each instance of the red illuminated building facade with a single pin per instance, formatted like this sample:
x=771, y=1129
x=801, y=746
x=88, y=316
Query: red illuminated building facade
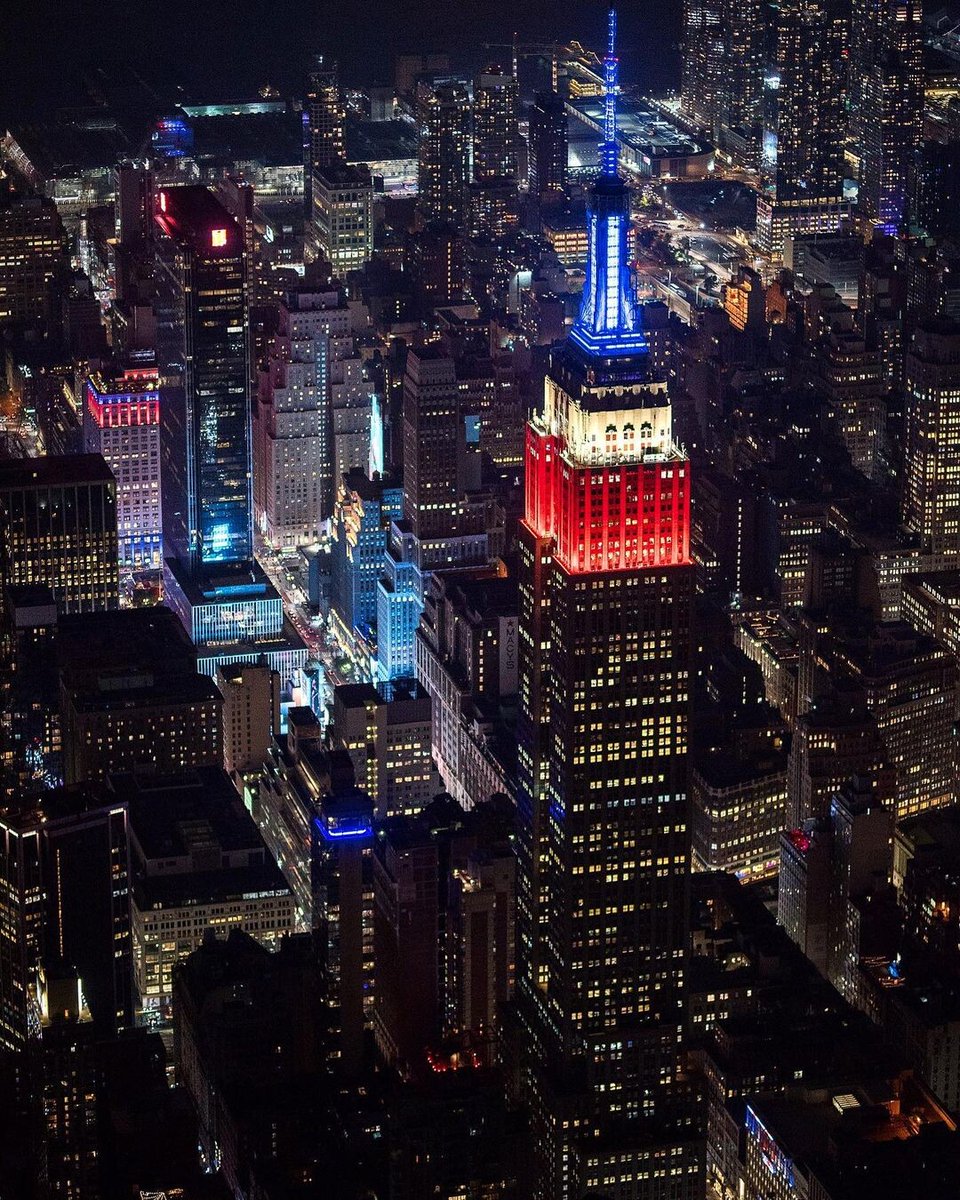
x=122, y=422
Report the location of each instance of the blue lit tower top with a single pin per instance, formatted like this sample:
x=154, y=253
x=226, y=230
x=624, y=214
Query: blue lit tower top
x=609, y=323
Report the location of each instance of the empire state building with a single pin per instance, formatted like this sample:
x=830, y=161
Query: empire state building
x=606, y=585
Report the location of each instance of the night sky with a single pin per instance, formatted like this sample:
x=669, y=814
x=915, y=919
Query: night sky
x=215, y=50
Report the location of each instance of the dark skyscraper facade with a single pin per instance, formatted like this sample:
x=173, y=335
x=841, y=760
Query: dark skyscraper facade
x=58, y=527
x=605, y=597
x=203, y=359
x=325, y=114
x=886, y=79
x=443, y=115
x=804, y=124
x=548, y=145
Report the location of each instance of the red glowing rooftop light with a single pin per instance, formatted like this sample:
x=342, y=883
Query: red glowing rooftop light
x=799, y=840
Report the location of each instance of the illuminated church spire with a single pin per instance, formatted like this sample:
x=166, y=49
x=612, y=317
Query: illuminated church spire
x=609, y=323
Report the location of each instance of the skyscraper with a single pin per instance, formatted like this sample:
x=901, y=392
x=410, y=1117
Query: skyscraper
x=443, y=115
x=121, y=421
x=703, y=62
x=202, y=313
x=548, y=146
x=293, y=429
x=801, y=159
x=343, y=216
x=34, y=262
x=493, y=193
x=888, y=123
x=202, y=336
x=58, y=526
x=931, y=457
x=606, y=585
x=324, y=114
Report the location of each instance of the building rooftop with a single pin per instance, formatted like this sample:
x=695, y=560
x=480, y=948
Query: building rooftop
x=92, y=648
x=640, y=127
x=171, y=816
x=53, y=470
x=193, y=214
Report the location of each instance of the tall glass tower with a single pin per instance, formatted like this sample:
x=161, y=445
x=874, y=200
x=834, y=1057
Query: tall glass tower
x=604, y=662
x=203, y=343
x=211, y=580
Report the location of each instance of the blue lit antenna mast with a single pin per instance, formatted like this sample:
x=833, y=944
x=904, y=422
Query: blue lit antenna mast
x=609, y=323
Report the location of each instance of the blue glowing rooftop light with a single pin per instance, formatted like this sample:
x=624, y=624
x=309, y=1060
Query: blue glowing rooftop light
x=609, y=322
x=342, y=828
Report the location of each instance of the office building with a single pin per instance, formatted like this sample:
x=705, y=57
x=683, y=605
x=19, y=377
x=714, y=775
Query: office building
x=313, y=419
x=58, y=522
x=251, y=715
x=365, y=509
x=466, y=646
x=197, y=863
x=293, y=426
x=440, y=465
x=69, y=1086
x=548, y=147
x=294, y=774
x=342, y=852
x=343, y=216
x=22, y=929
x=34, y=262
x=205, y=402
x=400, y=592
x=210, y=579
x=739, y=804
x=830, y=744
x=443, y=117
x=31, y=701
x=437, y=264
x=909, y=684
x=131, y=697
x=604, y=683
x=801, y=161
x=851, y=380
x=65, y=872
x=253, y=1072
x=936, y=190
x=931, y=455
x=406, y=879
x=386, y=730
x=121, y=422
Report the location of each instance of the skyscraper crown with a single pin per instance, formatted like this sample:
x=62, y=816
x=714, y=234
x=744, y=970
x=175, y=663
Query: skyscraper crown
x=609, y=323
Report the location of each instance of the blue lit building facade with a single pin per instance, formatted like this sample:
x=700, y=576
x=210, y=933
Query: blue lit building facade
x=211, y=580
x=203, y=357
x=399, y=605
x=365, y=510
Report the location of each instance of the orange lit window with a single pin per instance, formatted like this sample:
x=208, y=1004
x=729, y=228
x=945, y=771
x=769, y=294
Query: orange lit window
x=218, y=237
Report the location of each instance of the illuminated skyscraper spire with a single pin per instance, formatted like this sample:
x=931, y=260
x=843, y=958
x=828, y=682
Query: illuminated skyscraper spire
x=609, y=323
x=611, y=71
